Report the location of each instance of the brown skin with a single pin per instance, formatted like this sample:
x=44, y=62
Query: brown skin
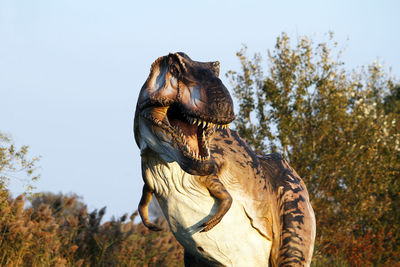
x=285, y=217
x=219, y=192
x=179, y=88
x=166, y=94
x=144, y=208
x=181, y=103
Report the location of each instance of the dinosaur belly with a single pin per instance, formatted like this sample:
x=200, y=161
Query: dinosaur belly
x=232, y=242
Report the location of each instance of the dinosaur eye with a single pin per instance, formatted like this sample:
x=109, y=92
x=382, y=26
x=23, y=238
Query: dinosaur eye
x=174, y=70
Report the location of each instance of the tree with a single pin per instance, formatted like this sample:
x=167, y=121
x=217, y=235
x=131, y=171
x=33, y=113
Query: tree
x=339, y=130
x=57, y=230
x=15, y=164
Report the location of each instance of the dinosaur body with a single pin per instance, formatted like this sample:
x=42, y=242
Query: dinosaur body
x=226, y=205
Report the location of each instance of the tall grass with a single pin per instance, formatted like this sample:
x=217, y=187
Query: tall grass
x=52, y=234
x=57, y=230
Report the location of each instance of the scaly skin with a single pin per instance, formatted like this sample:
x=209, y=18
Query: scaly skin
x=181, y=117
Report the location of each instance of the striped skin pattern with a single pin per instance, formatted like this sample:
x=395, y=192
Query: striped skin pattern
x=291, y=220
x=294, y=240
x=225, y=204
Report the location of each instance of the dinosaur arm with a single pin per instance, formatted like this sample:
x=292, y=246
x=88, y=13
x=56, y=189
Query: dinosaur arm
x=144, y=211
x=218, y=191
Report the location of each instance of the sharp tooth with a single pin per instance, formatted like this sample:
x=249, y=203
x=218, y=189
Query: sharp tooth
x=198, y=122
x=204, y=124
x=194, y=121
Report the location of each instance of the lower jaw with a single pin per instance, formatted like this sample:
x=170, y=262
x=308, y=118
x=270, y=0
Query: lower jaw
x=197, y=168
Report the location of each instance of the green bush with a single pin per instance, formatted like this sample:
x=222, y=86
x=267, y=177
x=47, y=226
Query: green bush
x=339, y=129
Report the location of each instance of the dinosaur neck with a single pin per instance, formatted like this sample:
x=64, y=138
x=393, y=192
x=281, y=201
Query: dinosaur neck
x=167, y=177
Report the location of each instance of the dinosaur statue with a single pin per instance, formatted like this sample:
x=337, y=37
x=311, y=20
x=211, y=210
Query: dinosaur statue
x=225, y=204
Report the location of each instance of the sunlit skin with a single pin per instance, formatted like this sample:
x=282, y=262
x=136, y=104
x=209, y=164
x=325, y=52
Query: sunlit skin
x=214, y=191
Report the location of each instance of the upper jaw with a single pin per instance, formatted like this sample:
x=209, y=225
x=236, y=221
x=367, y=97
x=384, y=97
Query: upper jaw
x=190, y=134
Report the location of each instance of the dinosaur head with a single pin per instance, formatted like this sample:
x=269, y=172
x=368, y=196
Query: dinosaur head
x=179, y=107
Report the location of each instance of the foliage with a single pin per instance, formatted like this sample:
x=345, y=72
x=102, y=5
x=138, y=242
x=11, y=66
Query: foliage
x=70, y=236
x=57, y=230
x=15, y=165
x=340, y=131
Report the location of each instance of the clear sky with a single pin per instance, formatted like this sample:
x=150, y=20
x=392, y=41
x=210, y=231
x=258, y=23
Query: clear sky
x=71, y=70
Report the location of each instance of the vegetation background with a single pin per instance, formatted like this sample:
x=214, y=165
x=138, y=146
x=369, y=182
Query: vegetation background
x=338, y=128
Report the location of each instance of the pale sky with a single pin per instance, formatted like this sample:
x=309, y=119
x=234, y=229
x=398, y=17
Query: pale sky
x=71, y=70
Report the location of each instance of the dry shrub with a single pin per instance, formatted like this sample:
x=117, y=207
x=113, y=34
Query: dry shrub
x=351, y=249
x=65, y=234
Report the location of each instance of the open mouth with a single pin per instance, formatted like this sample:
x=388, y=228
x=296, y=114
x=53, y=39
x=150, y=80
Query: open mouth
x=191, y=133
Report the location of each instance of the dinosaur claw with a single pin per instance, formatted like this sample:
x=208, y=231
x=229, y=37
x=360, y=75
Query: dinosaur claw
x=153, y=227
x=208, y=225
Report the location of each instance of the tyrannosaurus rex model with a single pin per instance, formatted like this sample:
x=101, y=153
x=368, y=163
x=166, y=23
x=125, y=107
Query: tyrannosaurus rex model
x=225, y=204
